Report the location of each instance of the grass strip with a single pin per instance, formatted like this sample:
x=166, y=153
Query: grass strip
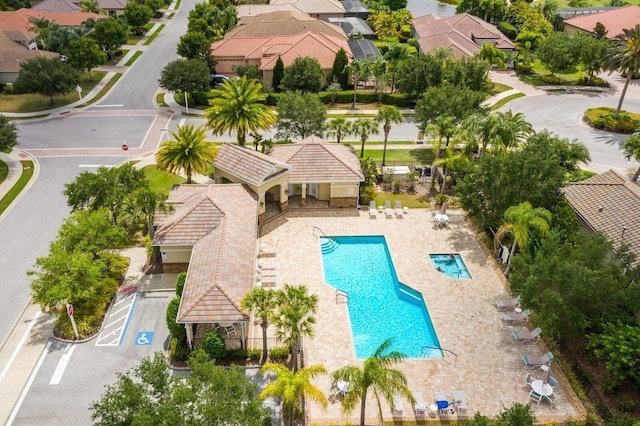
x=4, y=171
x=104, y=90
x=506, y=100
x=133, y=58
x=154, y=35
x=27, y=173
x=160, y=100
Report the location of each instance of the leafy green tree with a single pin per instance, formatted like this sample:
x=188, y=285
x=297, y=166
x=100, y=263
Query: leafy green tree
x=291, y=387
x=85, y=54
x=263, y=304
x=304, y=74
x=519, y=222
x=469, y=73
x=333, y=88
x=155, y=6
x=619, y=346
x=395, y=4
x=278, y=73
x=139, y=208
x=394, y=56
x=449, y=100
x=591, y=52
x=150, y=394
x=212, y=20
x=492, y=55
x=377, y=376
x=600, y=31
x=295, y=318
x=238, y=105
x=359, y=70
x=90, y=232
x=623, y=55
x=251, y=71
x=491, y=11
x=363, y=128
x=300, y=115
x=188, y=152
x=339, y=128
x=195, y=45
x=417, y=73
x=110, y=34
x=339, y=71
x=631, y=147
x=388, y=116
x=47, y=76
x=521, y=15
x=517, y=415
x=558, y=52
x=60, y=37
x=527, y=42
x=137, y=16
x=8, y=133
x=185, y=75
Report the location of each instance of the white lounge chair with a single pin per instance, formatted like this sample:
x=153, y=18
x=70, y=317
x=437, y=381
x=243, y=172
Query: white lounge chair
x=535, y=361
x=373, y=211
x=508, y=304
x=388, y=211
x=265, y=251
x=461, y=403
x=420, y=407
x=528, y=336
x=398, y=408
x=444, y=407
x=398, y=209
x=514, y=318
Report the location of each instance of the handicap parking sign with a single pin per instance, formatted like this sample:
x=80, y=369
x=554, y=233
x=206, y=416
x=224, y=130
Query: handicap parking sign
x=144, y=338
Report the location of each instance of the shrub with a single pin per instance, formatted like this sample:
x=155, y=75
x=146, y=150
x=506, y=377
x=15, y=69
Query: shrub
x=398, y=186
x=626, y=405
x=611, y=386
x=254, y=355
x=172, y=312
x=508, y=29
x=179, y=350
x=440, y=199
x=202, y=98
x=518, y=414
x=279, y=354
x=273, y=98
x=116, y=265
x=524, y=69
x=182, y=277
x=367, y=194
x=236, y=355
x=401, y=100
x=213, y=345
x=552, y=79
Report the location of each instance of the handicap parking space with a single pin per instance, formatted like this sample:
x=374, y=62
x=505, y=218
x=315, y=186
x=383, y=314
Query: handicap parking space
x=115, y=324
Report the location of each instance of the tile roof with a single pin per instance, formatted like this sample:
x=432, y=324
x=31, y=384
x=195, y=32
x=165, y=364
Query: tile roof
x=282, y=23
x=313, y=6
x=608, y=203
x=354, y=6
x=220, y=221
x=247, y=164
x=315, y=160
x=18, y=20
x=13, y=53
x=74, y=5
x=463, y=33
x=320, y=46
x=613, y=20
x=353, y=25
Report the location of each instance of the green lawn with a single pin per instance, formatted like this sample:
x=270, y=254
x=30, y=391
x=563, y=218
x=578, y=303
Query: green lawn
x=27, y=173
x=161, y=181
x=506, y=100
x=133, y=58
x=413, y=201
x=401, y=156
x=4, y=171
x=539, y=71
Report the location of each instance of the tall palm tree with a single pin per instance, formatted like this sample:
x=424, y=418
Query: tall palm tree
x=520, y=221
x=623, y=55
x=396, y=53
x=359, y=68
x=339, y=128
x=452, y=160
x=140, y=207
x=91, y=6
x=377, y=376
x=364, y=127
x=238, y=105
x=512, y=130
x=294, y=318
x=388, y=115
x=480, y=127
x=188, y=152
x=492, y=55
x=292, y=386
x=263, y=303
x=631, y=148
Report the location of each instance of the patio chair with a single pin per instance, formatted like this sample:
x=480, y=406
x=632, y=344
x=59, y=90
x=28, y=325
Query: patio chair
x=265, y=251
x=535, y=361
x=388, y=211
x=517, y=318
x=373, y=211
x=461, y=403
x=528, y=379
x=398, y=409
x=553, y=398
x=444, y=408
x=398, y=209
x=553, y=382
x=528, y=336
x=535, y=397
x=508, y=304
x=420, y=407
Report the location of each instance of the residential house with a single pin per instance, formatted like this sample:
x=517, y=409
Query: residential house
x=19, y=20
x=111, y=7
x=283, y=23
x=614, y=21
x=17, y=47
x=354, y=26
x=264, y=51
x=355, y=8
x=462, y=33
x=320, y=9
x=608, y=203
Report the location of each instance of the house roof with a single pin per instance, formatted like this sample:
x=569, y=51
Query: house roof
x=247, y=164
x=18, y=20
x=608, y=203
x=281, y=23
x=315, y=160
x=12, y=53
x=74, y=5
x=310, y=7
x=613, y=20
x=463, y=33
x=220, y=222
x=320, y=46
x=364, y=49
x=355, y=6
x=352, y=25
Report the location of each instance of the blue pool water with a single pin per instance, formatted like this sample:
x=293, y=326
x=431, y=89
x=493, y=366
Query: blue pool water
x=380, y=307
x=455, y=267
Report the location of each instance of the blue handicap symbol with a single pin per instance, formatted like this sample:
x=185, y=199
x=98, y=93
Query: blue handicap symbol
x=144, y=338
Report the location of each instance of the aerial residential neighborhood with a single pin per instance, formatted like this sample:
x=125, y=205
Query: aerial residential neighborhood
x=316, y=212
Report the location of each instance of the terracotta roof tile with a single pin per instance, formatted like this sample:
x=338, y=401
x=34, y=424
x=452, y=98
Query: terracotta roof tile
x=282, y=23
x=613, y=20
x=19, y=20
x=247, y=164
x=608, y=203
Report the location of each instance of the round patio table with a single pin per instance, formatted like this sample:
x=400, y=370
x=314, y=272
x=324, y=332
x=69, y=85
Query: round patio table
x=541, y=388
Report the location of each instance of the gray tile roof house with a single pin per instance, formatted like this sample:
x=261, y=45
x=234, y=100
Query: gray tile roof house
x=17, y=47
x=354, y=26
x=608, y=203
x=253, y=167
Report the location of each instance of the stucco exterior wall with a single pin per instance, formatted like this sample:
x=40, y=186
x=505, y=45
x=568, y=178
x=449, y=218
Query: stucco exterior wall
x=344, y=190
x=175, y=254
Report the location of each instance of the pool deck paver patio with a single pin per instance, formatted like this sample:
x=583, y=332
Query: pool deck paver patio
x=488, y=368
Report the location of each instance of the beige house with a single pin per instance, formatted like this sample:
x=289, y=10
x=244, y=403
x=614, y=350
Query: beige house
x=282, y=23
x=613, y=20
x=17, y=47
x=110, y=7
x=320, y=9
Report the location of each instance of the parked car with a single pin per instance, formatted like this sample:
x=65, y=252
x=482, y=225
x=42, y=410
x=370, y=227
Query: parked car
x=215, y=79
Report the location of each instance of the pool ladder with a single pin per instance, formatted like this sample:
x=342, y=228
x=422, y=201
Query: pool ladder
x=329, y=245
x=342, y=295
x=456, y=278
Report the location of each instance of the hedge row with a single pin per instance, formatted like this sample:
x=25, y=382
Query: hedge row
x=346, y=97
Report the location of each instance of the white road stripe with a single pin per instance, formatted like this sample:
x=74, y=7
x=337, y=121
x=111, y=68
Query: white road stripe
x=108, y=106
x=95, y=166
x=62, y=365
x=19, y=347
x=124, y=299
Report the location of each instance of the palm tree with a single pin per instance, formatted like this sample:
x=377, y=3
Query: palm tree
x=359, y=68
x=263, y=303
x=480, y=127
x=492, y=55
x=396, y=53
x=631, y=148
x=520, y=221
x=512, y=130
x=294, y=318
x=292, y=387
x=364, y=127
x=528, y=41
x=388, y=115
x=339, y=128
x=377, y=376
x=623, y=55
x=141, y=206
x=238, y=105
x=188, y=152
x=452, y=160
x=91, y=6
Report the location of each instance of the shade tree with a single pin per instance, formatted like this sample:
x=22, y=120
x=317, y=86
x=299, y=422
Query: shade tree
x=558, y=52
x=417, y=73
x=300, y=115
x=137, y=15
x=110, y=34
x=304, y=74
x=85, y=54
x=196, y=45
x=8, y=133
x=447, y=100
x=47, y=76
x=185, y=75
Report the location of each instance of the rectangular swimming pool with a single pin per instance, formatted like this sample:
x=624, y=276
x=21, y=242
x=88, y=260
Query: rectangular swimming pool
x=380, y=307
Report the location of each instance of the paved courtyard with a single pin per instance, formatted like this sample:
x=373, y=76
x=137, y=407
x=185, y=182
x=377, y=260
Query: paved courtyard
x=488, y=367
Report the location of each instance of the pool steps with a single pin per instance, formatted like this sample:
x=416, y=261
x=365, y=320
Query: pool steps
x=328, y=245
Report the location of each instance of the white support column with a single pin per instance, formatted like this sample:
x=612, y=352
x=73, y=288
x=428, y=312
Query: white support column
x=187, y=327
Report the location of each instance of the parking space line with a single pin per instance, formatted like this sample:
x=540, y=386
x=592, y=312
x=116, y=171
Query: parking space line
x=26, y=388
x=62, y=365
x=115, y=325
